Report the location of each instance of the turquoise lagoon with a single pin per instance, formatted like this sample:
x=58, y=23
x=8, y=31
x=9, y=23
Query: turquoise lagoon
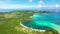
x=44, y=21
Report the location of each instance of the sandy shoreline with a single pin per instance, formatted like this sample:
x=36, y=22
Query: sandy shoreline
x=31, y=28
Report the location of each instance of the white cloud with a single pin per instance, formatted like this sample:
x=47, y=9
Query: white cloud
x=18, y=6
x=10, y=6
x=30, y=0
x=57, y=5
x=41, y=2
x=39, y=6
x=15, y=6
x=52, y=6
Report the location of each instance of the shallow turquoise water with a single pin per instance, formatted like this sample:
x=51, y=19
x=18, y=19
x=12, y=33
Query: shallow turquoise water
x=44, y=21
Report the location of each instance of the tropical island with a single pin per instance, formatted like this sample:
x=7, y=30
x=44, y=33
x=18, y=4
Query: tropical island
x=10, y=23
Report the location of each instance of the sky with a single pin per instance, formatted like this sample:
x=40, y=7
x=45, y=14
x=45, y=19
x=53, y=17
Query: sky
x=23, y=4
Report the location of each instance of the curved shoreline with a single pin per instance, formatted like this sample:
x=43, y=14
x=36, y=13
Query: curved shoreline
x=31, y=28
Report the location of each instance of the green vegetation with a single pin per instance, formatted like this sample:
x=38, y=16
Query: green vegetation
x=10, y=22
x=51, y=31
